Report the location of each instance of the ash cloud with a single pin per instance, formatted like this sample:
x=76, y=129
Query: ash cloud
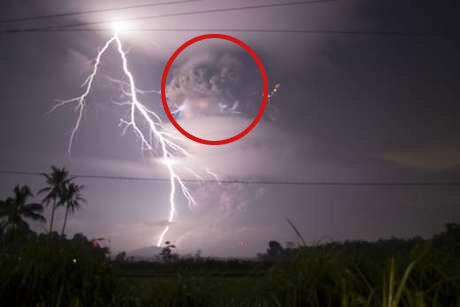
x=219, y=83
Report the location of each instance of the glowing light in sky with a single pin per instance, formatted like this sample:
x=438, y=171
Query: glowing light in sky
x=120, y=26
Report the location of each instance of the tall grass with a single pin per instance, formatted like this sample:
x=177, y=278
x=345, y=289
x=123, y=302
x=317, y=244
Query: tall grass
x=386, y=273
x=320, y=276
x=57, y=272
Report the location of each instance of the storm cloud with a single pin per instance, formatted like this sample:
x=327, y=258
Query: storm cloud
x=215, y=83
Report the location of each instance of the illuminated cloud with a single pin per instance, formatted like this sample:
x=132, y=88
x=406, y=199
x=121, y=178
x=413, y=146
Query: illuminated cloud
x=434, y=158
x=218, y=83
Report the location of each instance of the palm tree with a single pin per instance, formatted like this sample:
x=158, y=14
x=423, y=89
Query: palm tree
x=72, y=200
x=56, y=182
x=15, y=209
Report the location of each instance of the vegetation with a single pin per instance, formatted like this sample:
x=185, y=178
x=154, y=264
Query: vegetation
x=52, y=270
x=56, y=182
x=72, y=200
x=15, y=209
x=391, y=273
x=167, y=253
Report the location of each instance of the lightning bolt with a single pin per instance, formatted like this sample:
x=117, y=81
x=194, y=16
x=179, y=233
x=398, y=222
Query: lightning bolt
x=214, y=175
x=158, y=141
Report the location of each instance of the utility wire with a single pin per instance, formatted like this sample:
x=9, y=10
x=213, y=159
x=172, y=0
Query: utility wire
x=106, y=10
x=74, y=27
x=261, y=182
x=220, y=10
x=215, y=30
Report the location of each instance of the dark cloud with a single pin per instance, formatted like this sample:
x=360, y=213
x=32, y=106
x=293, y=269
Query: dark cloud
x=218, y=75
x=216, y=83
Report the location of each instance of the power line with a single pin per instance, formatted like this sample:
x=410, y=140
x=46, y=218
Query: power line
x=220, y=10
x=74, y=27
x=214, y=30
x=79, y=13
x=260, y=182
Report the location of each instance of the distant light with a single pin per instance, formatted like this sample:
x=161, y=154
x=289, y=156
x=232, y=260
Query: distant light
x=168, y=161
x=120, y=26
x=203, y=104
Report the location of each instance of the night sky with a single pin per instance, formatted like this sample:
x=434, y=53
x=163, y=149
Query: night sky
x=351, y=107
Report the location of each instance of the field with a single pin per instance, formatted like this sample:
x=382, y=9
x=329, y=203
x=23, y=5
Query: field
x=52, y=271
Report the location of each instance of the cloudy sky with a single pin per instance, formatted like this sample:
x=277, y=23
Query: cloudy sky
x=351, y=107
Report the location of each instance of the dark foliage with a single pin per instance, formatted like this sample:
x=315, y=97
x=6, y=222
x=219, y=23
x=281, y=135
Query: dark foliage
x=49, y=270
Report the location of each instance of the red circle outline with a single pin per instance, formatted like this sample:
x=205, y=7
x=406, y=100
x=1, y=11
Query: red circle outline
x=264, y=99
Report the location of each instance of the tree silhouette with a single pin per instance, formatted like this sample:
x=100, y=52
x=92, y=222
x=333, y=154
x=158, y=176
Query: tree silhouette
x=275, y=249
x=120, y=257
x=72, y=200
x=56, y=182
x=15, y=209
x=167, y=253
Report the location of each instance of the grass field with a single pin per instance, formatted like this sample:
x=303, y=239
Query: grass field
x=45, y=271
